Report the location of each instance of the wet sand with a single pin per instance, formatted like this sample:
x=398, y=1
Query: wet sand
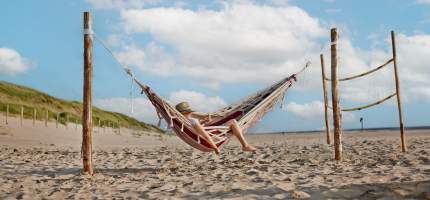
x=44, y=163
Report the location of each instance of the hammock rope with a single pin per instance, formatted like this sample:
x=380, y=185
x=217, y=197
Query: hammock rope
x=368, y=105
x=363, y=74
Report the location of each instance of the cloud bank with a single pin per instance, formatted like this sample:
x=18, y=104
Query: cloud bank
x=11, y=62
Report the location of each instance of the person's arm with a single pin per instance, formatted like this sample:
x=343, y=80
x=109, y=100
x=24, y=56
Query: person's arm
x=200, y=116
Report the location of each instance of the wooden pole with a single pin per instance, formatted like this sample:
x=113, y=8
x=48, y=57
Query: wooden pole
x=87, y=119
x=399, y=103
x=327, y=121
x=22, y=115
x=34, y=116
x=56, y=121
x=119, y=127
x=337, y=115
x=67, y=120
x=7, y=113
x=46, y=118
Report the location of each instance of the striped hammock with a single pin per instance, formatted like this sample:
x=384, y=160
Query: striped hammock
x=247, y=113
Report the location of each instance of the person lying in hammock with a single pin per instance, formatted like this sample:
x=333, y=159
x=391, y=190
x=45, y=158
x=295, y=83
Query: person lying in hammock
x=185, y=109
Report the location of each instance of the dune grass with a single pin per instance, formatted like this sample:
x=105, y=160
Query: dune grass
x=31, y=100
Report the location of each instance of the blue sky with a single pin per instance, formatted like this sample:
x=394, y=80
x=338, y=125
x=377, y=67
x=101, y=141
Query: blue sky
x=213, y=53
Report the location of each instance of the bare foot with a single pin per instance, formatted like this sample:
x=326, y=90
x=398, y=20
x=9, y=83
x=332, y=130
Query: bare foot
x=249, y=148
x=217, y=151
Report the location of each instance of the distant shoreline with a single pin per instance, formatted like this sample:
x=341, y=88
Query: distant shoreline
x=350, y=130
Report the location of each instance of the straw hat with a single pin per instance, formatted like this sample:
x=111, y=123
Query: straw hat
x=184, y=107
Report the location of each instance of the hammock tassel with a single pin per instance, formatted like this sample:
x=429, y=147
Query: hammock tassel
x=159, y=123
x=171, y=123
x=159, y=119
x=131, y=93
x=282, y=107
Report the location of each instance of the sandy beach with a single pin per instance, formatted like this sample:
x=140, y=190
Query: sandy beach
x=44, y=163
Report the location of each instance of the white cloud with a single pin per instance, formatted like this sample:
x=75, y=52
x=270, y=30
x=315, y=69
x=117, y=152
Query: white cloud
x=142, y=107
x=152, y=59
x=198, y=101
x=423, y=1
x=144, y=111
x=315, y=111
x=119, y=4
x=11, y=62
x=248, y=42
x=242, y=42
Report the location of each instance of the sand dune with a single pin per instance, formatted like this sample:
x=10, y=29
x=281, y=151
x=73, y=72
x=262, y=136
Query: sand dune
x=45, y=163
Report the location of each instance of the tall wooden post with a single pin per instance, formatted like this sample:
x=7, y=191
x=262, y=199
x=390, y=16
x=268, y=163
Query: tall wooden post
x=327, y=121
x=337, y=113
x=34, y=116
x=7, y=113
x=22, y=115
x=46, y=118
x=119, y=127
x=87, y=118
x=399, y=103
x=67, y=121
x=56, y=121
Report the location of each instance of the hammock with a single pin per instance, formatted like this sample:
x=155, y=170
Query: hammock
x=247, y=113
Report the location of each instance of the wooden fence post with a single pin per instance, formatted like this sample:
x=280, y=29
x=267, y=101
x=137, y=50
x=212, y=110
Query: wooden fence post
x=337, y=112
x=67, y=121
x=119, y=127
x=34, y=116
x=7, y=113
x=327, y=121
x=399, y=103
x=22, y=115
x=46, y=118
x=56, y=121
x=87, y=119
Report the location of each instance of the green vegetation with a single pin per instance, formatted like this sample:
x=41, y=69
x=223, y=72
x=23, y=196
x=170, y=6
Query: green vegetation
x=32, y=100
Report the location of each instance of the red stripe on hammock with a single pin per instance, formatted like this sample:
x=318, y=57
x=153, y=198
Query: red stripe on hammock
x=187, y=135
x=227, y=118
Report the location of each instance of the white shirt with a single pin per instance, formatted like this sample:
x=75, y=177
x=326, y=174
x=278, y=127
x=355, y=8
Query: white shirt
x=194, y=121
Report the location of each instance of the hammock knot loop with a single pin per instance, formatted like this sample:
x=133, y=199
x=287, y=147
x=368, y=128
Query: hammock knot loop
x=128, y=71
x=293, y=77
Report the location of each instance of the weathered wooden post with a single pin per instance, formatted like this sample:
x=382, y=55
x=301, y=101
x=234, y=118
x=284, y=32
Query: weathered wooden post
x=119, y=127
x=7, y=113
x=104, y=127
x=327, y=121
x=87, y=118
x=67, y=121
x=56, y=121
x=399, y=103
x=337, y=112
x=34, y=116
x=46, y=118
x=22, y=115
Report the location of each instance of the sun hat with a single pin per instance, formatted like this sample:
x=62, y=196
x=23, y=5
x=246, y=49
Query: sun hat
x=184, y=107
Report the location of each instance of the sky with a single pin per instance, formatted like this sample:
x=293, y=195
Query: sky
x=214, y=53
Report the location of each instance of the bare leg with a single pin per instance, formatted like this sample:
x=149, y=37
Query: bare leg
x=237, y=131
x=205, y=135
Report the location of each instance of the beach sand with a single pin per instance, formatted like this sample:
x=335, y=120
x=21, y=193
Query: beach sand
x=44, y=163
